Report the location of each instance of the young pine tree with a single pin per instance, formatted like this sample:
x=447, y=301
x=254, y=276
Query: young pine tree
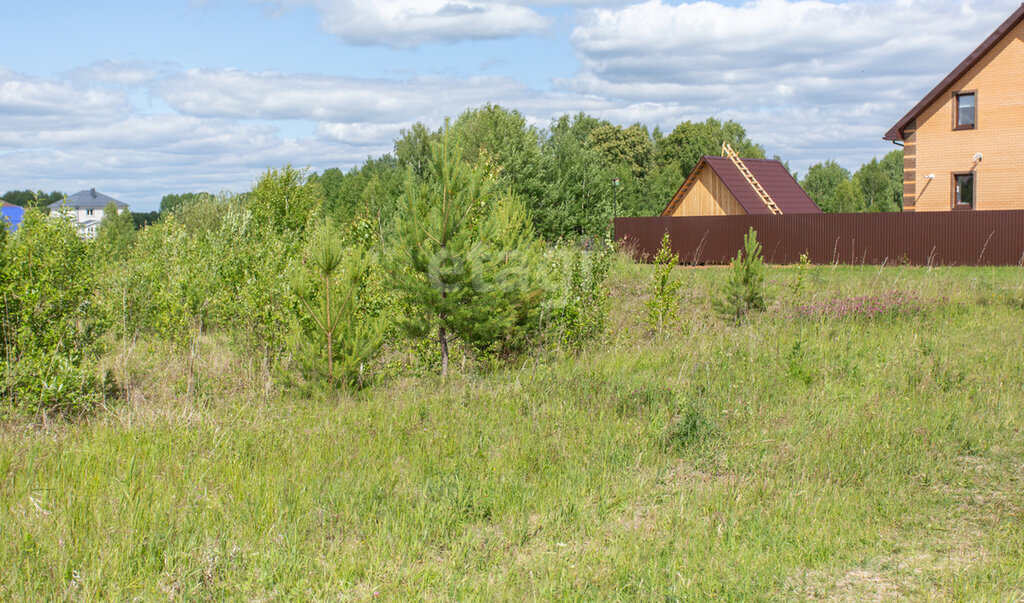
x=332, y=338
x=744, y=291
x=464, y=257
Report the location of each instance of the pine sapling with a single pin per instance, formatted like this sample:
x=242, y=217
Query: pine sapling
x=464, y=259
x=332, y=328
x=744, y=291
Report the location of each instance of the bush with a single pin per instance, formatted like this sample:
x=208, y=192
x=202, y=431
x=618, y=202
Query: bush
x=689, y=429
x=744, y=291
x=49, y=331
x=164, y=286
x=798, y=285
x=663, y=304
x=579, y=311
x=209, y=264
x=285, y=200
x=116, y=232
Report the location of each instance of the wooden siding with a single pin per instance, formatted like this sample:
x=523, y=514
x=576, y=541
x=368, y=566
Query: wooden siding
x=709, y=197
x=998, y=81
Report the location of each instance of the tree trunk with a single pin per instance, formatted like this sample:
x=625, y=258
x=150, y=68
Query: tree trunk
x=442, y=336
x=330, y=332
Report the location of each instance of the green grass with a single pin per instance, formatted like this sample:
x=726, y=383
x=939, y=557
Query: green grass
x=782, y=458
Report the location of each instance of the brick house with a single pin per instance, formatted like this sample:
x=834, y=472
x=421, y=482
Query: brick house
x=964, y=142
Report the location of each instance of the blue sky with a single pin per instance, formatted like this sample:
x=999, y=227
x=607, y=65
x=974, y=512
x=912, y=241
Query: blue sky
x=141, y=99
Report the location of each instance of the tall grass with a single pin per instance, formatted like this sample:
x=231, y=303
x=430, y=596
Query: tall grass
x=867, y=456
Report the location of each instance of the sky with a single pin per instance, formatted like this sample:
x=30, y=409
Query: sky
x=141, y=98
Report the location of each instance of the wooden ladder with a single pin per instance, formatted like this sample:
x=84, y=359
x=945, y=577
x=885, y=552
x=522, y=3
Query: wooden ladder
x=754, y=184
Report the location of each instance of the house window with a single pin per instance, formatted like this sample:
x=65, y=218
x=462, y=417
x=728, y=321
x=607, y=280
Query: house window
x=88, y=212
x=965, y=111
x=963, y=191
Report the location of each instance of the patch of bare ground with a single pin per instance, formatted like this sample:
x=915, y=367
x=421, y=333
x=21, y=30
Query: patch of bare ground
x=864, y=585
x=684, y=475
x=923, y=563
x=912, y=574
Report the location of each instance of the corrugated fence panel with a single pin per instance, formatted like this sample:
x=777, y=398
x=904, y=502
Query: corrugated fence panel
x=961, y=238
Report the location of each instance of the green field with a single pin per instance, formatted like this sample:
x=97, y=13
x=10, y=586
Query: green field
x=865, y=456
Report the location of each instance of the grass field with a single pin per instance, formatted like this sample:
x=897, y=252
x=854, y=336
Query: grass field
x=831, y=447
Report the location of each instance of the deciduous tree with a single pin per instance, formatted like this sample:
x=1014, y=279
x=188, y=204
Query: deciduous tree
x=116, y=232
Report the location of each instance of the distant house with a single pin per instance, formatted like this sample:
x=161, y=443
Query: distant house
x=718, y=186
x=963, y=144
x=86, y=208
x=13, y=215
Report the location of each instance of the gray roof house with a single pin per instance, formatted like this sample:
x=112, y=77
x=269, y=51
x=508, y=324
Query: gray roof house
x=86, y=208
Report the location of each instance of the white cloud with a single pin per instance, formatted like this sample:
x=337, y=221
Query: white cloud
x=114, y=72
x=269, y=95
x=32, y=101
x=706, y=43
x=371, y=134
x=809, y=79
x=360, y=105
x=165, y=154
x=411, y=23
x=74, y=134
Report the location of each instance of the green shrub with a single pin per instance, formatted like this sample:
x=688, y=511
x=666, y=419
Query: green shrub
x=798, y=285
x=744, y=290
x=689, y=429
x=116, y=233
x=579, y=311
x=209, y=264
x=285, y=200
x=49, y=331
x=663, y=305
x=164, y=286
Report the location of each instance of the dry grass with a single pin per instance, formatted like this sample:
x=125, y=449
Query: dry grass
x=862, y=459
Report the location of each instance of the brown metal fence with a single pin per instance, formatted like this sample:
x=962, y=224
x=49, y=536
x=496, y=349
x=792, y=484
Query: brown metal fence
x=960, y=238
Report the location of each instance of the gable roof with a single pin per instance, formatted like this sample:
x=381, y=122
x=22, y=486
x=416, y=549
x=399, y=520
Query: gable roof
x=90, y=199
x=896, y=132
x=772, y=175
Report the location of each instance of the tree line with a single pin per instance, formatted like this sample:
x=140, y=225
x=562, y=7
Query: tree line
x=877, y=186
x=573, y=177
x=581, y=171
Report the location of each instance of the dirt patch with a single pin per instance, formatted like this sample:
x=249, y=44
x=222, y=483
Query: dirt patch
x=919, y=571
x=864, y=585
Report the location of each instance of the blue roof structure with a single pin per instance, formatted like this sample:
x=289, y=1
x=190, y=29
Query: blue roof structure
x=13, y=214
